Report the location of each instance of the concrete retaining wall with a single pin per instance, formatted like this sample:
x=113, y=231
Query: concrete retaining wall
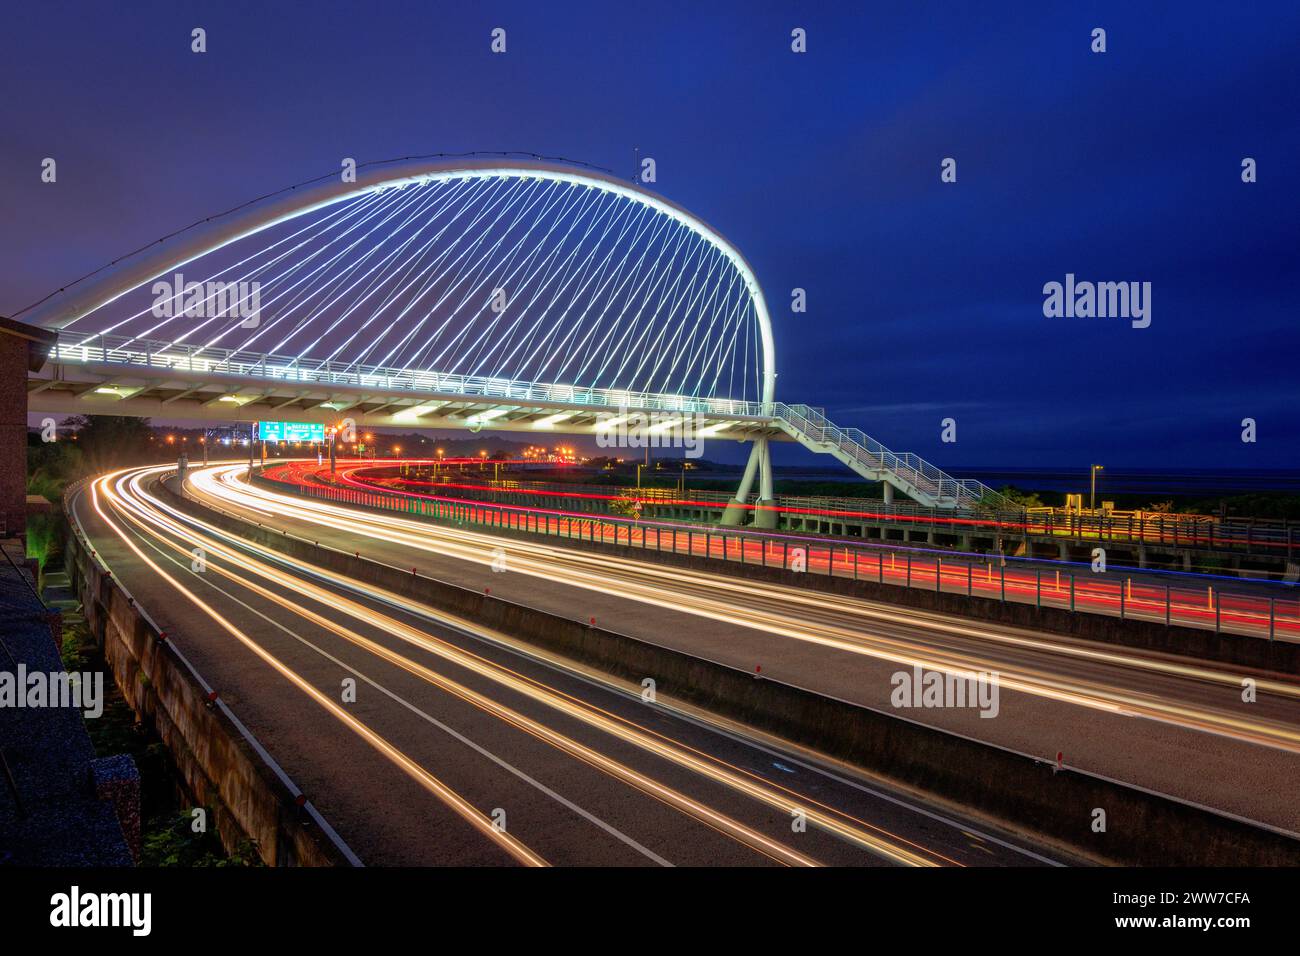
x=218, y=767
x=1021, y=791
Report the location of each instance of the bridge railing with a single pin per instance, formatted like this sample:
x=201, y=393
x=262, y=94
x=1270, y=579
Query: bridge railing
x=1193, y=532
x=911, y=469
x=131, y=352
x=1242, y=608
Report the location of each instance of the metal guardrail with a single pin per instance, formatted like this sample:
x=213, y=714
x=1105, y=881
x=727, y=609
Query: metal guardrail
x=1125, y=596
x=1274, y=537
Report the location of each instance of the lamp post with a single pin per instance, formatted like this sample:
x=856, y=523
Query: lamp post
x=1092, y=497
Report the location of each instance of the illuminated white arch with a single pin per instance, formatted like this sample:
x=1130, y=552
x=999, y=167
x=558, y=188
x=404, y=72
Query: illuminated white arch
x=69, y=305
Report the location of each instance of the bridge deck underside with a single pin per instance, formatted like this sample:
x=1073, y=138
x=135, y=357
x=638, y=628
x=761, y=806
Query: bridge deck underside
x=105, y=389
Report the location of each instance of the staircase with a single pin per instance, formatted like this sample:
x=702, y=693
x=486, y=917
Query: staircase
x=910, y=474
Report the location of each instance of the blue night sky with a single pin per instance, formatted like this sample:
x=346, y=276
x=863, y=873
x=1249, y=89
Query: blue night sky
x=924, y=298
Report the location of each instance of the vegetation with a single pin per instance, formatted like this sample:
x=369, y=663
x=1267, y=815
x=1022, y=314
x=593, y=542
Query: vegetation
x=627, y=507
x=44, y=538
x=107, y=441
x=1021, y=499
x=171, y=841
x=50, y=466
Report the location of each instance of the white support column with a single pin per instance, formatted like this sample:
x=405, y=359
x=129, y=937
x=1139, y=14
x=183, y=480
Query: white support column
x=766, y=516
x=734, y=514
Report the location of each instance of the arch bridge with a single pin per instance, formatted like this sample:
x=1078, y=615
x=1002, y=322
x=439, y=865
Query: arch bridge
x=513, y=294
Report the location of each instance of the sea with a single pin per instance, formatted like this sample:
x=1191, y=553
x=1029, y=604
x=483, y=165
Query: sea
x=1136, y=481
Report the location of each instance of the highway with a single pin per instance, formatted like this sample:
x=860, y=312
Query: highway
x=1168, y=724
x=458, y=747
x=1209, y=602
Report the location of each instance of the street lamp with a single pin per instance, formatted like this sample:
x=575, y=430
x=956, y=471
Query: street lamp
x=1092, y=497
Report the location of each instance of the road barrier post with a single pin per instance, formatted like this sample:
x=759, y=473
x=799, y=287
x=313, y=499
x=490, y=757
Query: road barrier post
x=1038, y=587
x=1071, y=592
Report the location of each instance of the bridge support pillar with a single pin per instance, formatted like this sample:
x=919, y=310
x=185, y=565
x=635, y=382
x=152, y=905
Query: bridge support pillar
x=22, y=350
x=733, y=516
x=889, y=492
x=766, y=516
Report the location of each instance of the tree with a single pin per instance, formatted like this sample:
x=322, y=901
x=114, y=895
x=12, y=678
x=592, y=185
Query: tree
x=50, y=466
x=109, y=440
x=625, y=506
x=1022, y=499
x=1009, y=497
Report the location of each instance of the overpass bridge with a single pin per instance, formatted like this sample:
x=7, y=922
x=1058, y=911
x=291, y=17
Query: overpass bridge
x=513, y=294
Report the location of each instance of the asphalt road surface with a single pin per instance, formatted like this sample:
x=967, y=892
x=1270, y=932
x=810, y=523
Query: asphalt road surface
x=423, y=741
x=1165, y=723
